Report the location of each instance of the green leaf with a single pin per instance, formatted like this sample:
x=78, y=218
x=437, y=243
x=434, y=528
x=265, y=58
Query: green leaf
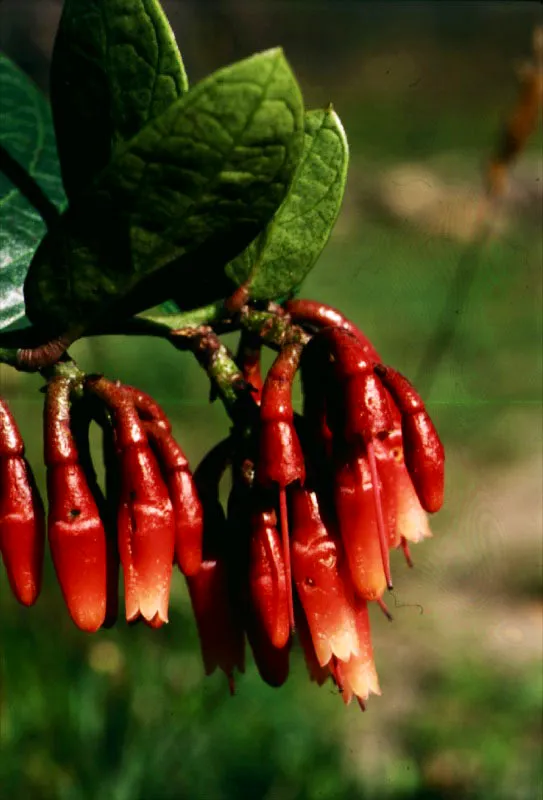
x=277, y=262
x=194, y=187
x=26, y=132
x=115, y=67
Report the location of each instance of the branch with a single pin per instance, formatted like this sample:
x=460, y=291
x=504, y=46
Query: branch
x=223, y=372
x=37, y=358
x=27, y=352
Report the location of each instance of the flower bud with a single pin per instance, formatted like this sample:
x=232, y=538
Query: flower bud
x=272, y=662
x=76, y=533
x=423, y=452
x=22, y=528
x=280, y=460
x=358, y=405
x=187, y=508
x=267, y=578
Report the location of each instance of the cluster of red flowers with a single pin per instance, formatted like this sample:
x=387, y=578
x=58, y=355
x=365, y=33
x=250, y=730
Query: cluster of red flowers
x=316, y=503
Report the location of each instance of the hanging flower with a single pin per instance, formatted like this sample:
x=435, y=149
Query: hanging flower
x=317, y=500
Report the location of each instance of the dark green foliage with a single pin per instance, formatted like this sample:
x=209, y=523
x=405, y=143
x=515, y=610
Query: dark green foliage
x=115, y=67
x=206, y=175
x=26, y=133
x=277, y=262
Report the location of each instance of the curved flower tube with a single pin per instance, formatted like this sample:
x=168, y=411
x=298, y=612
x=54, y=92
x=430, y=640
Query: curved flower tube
x=145, y=522
x=187, y=507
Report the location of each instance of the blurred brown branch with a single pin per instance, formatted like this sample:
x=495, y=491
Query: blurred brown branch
x=518, y=128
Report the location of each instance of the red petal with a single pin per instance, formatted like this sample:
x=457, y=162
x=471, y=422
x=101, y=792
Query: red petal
x=317, y=673
x=22, y=529
x=318, y=581
x=390, y=473
x=189, y=521
x=146, y=529
x=267, y=579
x=280, y=454
x=359, y=675
x=78, y=545
x=424, y=458
x=355, y=509
x=423, y=452
x=219, y=629
x=410, y=520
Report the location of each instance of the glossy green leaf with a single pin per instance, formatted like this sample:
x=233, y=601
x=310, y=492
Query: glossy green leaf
x=277, y=262
x=26, y=132
x=115, y=67
x=195, y=186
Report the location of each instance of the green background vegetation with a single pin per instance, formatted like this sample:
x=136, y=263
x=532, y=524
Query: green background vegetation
x=127, y=714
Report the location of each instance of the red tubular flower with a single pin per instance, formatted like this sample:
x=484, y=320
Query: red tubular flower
x=358, y=526
x=21, y=514
x=187, y=508
x=411, y=520
x=219, y=625
x=76, y=534
x=267, y=578
x=280, y=457
x=145, y=522
x=362, y=407
x=221, y=635
x=336, y=618
x=358, y=413
x=423, y=452
x=320, y=587
x=262, y=597
x=319, y=315
x=410, y=516
x=148, y=409
x=80, y=419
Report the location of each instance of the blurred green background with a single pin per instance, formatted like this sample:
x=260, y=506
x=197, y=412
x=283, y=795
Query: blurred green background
x=423, y=89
